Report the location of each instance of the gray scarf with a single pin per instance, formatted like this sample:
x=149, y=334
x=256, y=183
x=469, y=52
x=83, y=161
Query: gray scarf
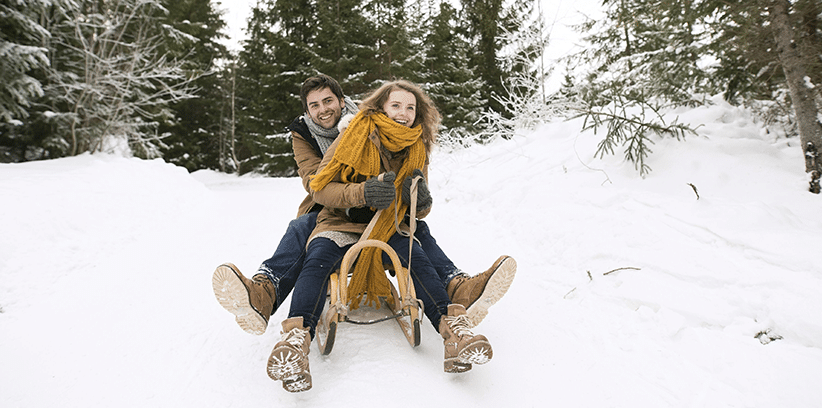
x=323, y=136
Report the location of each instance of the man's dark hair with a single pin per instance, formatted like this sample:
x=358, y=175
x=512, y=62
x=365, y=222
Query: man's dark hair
x=319, y=82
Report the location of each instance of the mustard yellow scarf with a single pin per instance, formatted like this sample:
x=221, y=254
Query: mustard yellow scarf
x=357, y=156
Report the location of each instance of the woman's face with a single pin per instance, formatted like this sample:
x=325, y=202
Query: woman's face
x=401, y=107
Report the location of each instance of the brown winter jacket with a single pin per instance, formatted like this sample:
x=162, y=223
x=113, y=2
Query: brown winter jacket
x=308, y=160
x=337, y=196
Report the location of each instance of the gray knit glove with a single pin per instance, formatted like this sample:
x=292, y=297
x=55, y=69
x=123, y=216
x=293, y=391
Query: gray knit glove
x=424, y=199
x=380, y=194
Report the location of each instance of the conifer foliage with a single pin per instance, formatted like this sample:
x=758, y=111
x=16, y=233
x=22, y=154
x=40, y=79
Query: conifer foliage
x=107, y=83
x=450, y=80
x=363, y=43
x=193, y=135
x=23, y=59
x=149, y=77
x=21, y=52
x=661, y=53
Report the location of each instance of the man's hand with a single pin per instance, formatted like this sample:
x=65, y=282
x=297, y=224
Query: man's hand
x=380, y=193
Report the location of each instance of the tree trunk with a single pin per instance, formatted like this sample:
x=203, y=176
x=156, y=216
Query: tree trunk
x=802, y=96
x=233, y=121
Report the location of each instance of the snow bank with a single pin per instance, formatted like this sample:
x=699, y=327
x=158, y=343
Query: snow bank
x=630, y=292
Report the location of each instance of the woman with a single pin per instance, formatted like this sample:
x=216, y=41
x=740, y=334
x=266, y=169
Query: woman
x=392, y=136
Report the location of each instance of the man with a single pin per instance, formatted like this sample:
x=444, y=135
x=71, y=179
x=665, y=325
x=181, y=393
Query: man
x=253, y=301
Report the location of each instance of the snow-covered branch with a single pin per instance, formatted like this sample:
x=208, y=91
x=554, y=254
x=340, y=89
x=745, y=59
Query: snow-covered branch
x=121, y=82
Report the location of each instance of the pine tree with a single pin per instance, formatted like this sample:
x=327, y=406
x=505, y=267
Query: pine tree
x=806, y=101
x=192, y=135
x=482, y=20
x=419, y=19
x=107, y=85
x=21, y=52
x=646, y=50
x=648, y=54
x=345, y=46
x=644, y=56
x=771, y=50
x=449, y=79
x=23, y=57
x=746, y=49
x=392, y=24
x=272, y=65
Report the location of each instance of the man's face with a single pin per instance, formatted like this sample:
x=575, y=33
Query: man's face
x=324, y=108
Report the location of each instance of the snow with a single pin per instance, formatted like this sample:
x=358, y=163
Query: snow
x=630, y=292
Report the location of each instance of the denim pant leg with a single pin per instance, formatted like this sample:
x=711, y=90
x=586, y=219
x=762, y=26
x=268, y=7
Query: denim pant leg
x=285, y=265
x=323, y=258
x=441, y=263
x=427, y=283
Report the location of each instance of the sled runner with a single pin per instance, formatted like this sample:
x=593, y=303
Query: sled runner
x=403, y=306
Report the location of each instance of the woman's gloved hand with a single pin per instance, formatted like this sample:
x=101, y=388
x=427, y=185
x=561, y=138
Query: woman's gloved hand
x=424, y=199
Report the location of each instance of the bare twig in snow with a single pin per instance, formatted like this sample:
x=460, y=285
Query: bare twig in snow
x=620, y=269
x=695, y=191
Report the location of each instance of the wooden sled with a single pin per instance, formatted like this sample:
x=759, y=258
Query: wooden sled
x=405, y=308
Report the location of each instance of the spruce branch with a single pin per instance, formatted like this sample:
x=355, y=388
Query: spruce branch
x=630, y=123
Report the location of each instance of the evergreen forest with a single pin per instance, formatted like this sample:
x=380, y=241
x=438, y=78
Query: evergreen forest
x=152, y=78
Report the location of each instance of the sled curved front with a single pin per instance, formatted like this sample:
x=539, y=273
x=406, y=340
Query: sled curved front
x=405, y=307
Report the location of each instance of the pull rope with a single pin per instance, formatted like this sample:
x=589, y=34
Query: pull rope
x=412, y=227
x=412, y=223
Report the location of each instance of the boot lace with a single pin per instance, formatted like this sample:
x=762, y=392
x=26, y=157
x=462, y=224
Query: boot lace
x=460, y=325
x=295, y=337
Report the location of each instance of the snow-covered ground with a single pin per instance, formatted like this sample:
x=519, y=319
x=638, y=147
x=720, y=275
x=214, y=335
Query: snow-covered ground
x=630, y=292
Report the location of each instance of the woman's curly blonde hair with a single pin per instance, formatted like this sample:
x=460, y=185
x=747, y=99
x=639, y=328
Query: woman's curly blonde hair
x=427, y=114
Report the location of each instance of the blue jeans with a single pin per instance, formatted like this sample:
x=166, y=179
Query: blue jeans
x=285, y=265
x=324, y=257
x=441, y=263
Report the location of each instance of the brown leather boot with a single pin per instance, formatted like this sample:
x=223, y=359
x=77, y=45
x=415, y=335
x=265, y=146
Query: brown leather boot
x=289, y=359
x=462, y=347
x=251, y=301
x=480, y=292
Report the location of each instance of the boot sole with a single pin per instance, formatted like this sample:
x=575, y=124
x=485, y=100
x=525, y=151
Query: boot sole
x=478, y=353
x=297, y=383
x=233, y=296
x=285, y=366
x=455, y=366
x=494, y=290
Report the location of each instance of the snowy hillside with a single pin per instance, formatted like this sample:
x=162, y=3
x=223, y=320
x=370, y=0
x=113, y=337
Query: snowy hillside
x=630, y=292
